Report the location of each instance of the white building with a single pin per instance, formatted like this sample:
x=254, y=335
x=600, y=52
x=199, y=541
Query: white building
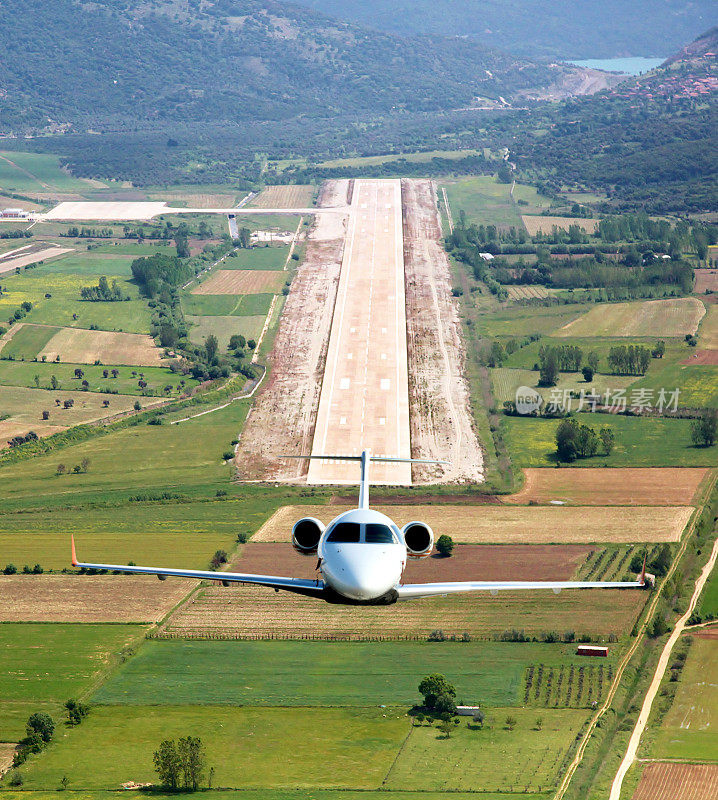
x=14, y=213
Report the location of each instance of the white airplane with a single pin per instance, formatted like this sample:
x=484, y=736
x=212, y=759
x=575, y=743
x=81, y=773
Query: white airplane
x=361, y=558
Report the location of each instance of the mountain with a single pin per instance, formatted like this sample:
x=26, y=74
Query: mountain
x=531, y=28
x=118, y=65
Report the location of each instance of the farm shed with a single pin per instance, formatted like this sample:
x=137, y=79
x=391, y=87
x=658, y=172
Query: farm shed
x=591, y=650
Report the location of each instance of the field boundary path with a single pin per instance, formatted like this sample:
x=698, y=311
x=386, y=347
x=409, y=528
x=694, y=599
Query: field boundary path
x=641, y=722
x=448, y=210
x=653, y=604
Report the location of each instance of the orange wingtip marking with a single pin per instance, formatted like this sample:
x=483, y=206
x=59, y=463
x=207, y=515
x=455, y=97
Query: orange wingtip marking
x=74, y=557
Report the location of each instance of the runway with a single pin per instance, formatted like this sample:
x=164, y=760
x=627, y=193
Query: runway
x=364, y=401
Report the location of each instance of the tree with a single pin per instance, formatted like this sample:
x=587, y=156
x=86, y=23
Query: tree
x=592, y=361
x=662, y=562
x=705, y=428
x=168, y=765
x=53, y=382
x=76, y=711
x=78, y=373
x=548, y=373
x=446, y=726
x=539, y=723
x=61, y=469
x=137, y=405
x=608, y=439
x=211, y=345
x=510, y=722
x=41, y=724
x=445, y=704
x=445, y=545
x=434, y=685
x=478, y=718
x=587, y=374
x=192, y=757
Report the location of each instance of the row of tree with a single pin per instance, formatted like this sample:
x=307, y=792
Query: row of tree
x=103, y=292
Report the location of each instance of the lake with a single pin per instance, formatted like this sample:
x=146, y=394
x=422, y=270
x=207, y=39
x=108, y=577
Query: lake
x=636, y=65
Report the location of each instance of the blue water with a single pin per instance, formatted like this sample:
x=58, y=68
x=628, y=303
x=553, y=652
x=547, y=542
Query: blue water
x=636, y=65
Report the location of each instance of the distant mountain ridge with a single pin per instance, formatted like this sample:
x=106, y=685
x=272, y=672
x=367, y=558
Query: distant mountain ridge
x=114, y=65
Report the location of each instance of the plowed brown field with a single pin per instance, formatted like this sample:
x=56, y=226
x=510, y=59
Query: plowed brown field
x=511, y=524
x=85, y=598
x=242, y=281
x=611, y=487
x=666, y=781
x=706, y=281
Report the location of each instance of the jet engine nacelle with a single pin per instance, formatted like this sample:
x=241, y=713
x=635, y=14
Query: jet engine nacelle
x=306, y=534
x=419, y=539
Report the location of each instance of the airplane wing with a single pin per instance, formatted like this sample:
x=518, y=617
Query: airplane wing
x=295, y=585
x=414, y=591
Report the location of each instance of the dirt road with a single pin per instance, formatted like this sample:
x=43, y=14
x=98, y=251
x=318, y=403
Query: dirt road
x=635, y=740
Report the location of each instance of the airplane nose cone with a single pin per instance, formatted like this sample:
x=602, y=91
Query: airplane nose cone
x=362, y=572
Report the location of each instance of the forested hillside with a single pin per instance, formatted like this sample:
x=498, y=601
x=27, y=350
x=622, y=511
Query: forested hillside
x=117, y=65
x=540, y=27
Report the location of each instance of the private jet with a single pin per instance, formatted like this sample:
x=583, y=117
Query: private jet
x=361, y=557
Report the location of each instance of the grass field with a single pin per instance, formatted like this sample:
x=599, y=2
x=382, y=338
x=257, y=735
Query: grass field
x=611, y=487
x=369, y=161
x=224, y=327
x=697, y=383
x=666, y=781
x=278, y=794
x=688, y=730
x=26, y=341
x=494, y=757
x=284, y=196
x=82, y=598
x=524, y=320
x=709, y=598
x=640, y=442
x=248, y=746
x=262, y=257
x=31, y=173
x=92, y=263
x=22, y=373
x=505, y=381
x=708, y=330
x=79, y=346
x=234, y=281
x=170, y=534
x=512, y=524
x=44, y=665
x=484, y=200
x=644, y=318
x=225, y=305
x=545, y=224
x=238, y=612
x=287, y=673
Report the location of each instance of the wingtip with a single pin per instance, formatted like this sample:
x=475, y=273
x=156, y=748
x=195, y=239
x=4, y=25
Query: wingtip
x=74, y=556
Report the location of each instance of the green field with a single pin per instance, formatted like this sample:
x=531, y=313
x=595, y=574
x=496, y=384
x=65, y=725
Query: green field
x=416, y=158
x=22, y=373
x=88, y=264
x=689, y=729
x=525, y=320
x=286, y=673
x=225, y=327
x=484, y=200
x=259, y=257
x=275, y=794
x=493, y=758
x=44, y=172
x=133, y=248
x=225, y=305
x=640, y=442
x=44, y=665
x=27, y=342
x=709, y=598
x=248, y=748
x=506, y=381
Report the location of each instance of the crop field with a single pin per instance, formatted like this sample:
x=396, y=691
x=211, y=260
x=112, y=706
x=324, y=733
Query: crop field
x=545, y=224
x=25, y=406
x=170, y=534
x=287, y=196
x=524, y=320
x=32, y=256
x=313, y=673
x=528, y=292
x=508, y=524
x=706, y=281
x=35, y=173
x=708, y=331
x=702, y=357
x=575, y=685
x=644, y=318
x=224, y=327
x=266, y=257
x=248, y=746
x=528, y=758
x=505, y=381
x=689, y=729
x=640, y=442
x=666, y=781
x=255, y=613
x=83, y=598
x=240, y=281
x=611, y=487
x=484, y=200
x=23, y=373
x=80, y=346
x=43, y=665
x=24, y=342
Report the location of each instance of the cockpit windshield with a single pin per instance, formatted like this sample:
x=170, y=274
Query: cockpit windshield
x=345, y=533
x=378, y=534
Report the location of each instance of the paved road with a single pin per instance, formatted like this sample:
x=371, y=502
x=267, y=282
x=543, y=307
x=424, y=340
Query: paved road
x=364, y=402
x=663, y=661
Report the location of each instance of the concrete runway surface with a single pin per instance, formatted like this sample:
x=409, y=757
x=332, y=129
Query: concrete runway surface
x=364, y=402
